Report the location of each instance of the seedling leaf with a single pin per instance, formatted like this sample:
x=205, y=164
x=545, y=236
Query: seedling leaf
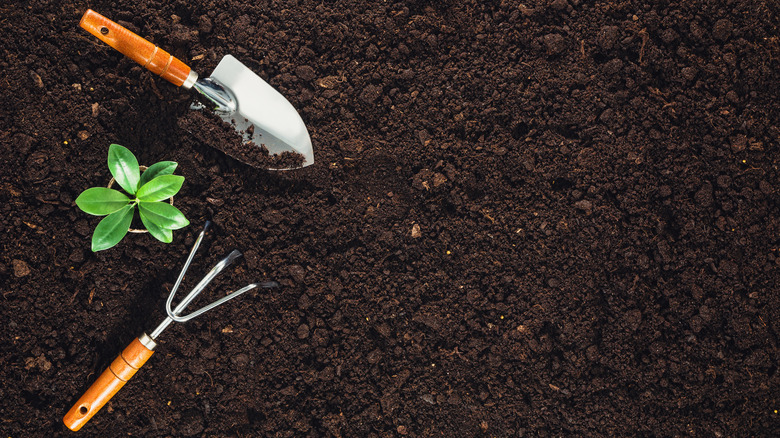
x=160, y=188
x=112, y=228
x=124, y=167
x=157, y=169
x=100, y=201
x=163, y=215
x=164, y=235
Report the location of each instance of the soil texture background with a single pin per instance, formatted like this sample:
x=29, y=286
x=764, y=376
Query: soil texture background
x=537, y=218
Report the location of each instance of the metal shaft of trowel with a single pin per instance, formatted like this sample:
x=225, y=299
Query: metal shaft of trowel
x=213, y=91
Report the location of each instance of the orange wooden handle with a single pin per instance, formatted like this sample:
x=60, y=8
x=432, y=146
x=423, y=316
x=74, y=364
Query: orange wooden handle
x=111, y=381
x=153, y=58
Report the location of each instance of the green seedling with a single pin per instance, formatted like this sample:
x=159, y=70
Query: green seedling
x=147, y=192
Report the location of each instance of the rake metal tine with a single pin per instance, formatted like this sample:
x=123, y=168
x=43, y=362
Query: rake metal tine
x=223, y=300
x=187, y=263
x=219, y=267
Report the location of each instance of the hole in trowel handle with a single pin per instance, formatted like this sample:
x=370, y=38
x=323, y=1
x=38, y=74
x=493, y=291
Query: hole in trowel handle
x=104, y=30
x=83, y=410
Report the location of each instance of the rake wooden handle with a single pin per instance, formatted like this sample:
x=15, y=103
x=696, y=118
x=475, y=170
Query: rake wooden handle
x=153, y=58
x=112, y=380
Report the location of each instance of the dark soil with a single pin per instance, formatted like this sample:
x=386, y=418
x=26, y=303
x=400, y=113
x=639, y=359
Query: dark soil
x=215, y=132
x=554, y=218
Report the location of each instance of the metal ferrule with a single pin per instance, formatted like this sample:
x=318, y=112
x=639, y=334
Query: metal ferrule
x=191, y=79
x=223, y=100
x=147, y=341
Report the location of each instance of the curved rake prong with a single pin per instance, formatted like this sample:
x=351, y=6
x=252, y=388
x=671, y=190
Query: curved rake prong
x=175, y=314
x=219, y=267
x=189, y=260
x=223, y=300
x=205, y=309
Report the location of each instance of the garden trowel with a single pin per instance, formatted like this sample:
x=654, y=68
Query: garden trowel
x=257, y=111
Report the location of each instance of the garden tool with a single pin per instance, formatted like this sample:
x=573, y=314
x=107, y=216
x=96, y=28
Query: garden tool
x=141, y=349
x=260, y=114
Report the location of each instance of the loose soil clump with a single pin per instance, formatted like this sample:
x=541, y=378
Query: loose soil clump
x=223, y=136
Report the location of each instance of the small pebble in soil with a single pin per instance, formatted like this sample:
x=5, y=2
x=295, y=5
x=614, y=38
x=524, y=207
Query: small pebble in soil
x=204, y=24
x=297, y=273
x=554, y=43
x=722, y=29
x=584, y=205
x=21, y=268
x=305, y=73
x=303, y=331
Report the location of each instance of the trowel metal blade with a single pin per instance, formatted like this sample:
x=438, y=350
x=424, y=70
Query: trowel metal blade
x=263, y=115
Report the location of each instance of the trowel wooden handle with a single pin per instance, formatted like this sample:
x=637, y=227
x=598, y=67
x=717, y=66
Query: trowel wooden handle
x=111, y=381
x=153, y=58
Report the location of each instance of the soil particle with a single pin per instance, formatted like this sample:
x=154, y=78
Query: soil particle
x=634, y=319
x=240, y=360
x=21, y=268
x=688, y=73
x=584, y=205
x=39, y=362
x=739, y=143
x=273, y=217
x=728, y=268
x=191, y=423
x=205, y=25
x=371, y=93
x=303, y=331
x=305, y=73
x=613, y=67
x=182, y=36
x=554, y=43
x=722, y=29
x=389, y=403
x=36, y=79
x=427, y=180
x=298, y=273
x=330, y=82
x=559, y=5
x=704, y=196
x=608, y=37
